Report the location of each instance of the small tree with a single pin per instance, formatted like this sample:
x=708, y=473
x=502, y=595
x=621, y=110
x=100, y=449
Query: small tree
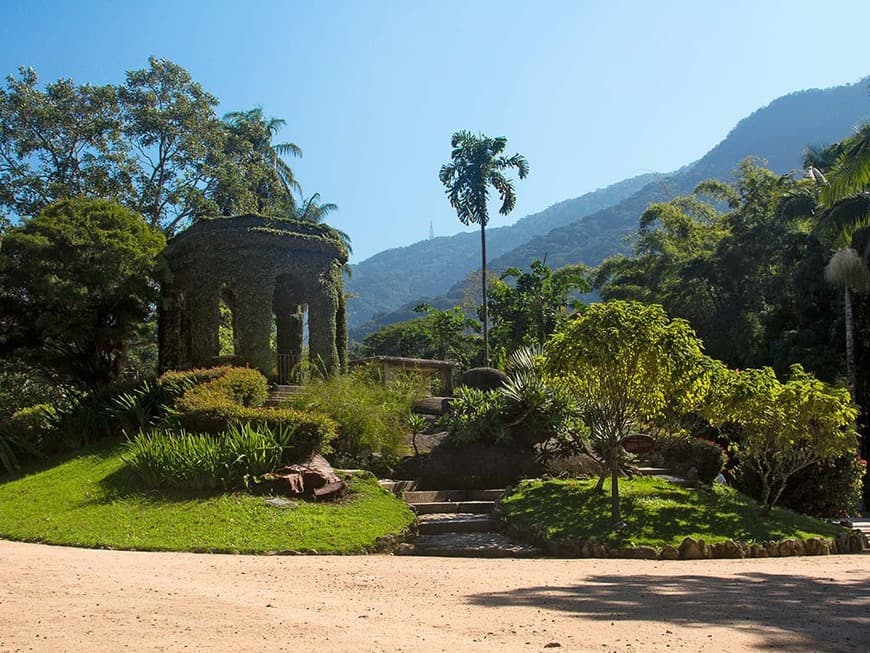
x=777, y=428
x=627, y=363
x=75, y=282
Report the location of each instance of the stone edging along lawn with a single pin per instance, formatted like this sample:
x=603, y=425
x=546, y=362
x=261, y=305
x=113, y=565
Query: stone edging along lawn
x=691, y=549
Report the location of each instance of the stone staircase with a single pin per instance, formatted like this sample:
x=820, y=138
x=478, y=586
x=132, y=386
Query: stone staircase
x=280, y=394
x=458, y=523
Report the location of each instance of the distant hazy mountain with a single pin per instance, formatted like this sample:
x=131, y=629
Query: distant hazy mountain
x=595, y=226
x=388, y=280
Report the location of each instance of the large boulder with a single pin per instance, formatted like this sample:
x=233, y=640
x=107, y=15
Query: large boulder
x=482, y=378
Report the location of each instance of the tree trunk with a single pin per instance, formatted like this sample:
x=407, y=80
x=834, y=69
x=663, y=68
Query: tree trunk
x=615, y=517
x=850, y=341
x=483, y=287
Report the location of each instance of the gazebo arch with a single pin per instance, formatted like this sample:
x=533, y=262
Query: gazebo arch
x=271, y=270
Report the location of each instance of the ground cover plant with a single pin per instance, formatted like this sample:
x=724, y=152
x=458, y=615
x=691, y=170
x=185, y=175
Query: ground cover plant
x=371, y=417
x=93, y=500
x=655, y=513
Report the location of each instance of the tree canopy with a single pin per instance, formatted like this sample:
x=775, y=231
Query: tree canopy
x=75, y=282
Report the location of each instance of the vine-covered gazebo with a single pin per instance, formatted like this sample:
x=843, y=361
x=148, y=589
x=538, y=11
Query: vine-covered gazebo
x=267, y=271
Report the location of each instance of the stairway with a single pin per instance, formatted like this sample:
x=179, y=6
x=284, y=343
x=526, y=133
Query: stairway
x=460, y=523
x=280, y=395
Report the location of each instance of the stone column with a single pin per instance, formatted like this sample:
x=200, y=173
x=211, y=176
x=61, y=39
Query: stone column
x=254, y=307
x=341, y=330
x=289, y=336
x=322, y=309
x=169, y=340
x=203, y=310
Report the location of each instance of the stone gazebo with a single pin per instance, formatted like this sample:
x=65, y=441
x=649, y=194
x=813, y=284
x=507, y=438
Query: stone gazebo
x=266, y=271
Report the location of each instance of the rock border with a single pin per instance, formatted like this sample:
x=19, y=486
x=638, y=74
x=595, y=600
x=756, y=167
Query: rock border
x=853, y=541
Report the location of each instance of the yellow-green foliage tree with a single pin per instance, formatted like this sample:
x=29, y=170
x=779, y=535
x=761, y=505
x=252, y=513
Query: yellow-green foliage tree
x=627, y=364
x=778, y=429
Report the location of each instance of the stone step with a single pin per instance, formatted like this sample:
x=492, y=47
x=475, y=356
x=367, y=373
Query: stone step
x=470, y=545
x=653, y=471
x=477, y=507
x=437, y=523
x=431, y=496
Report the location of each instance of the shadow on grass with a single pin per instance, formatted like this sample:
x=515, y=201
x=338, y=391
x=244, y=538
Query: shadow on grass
x=123, y=484
x=827, y=615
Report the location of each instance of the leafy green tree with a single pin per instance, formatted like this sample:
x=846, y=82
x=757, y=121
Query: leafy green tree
x=777, y=429
x=175, y=139
x=528, y=307
x=740, y=262
x=275, y=191
x=439, y=334
x=154, y=144
x=75, y=283
x=59, y=143
x=478, y=163
x=626, y=364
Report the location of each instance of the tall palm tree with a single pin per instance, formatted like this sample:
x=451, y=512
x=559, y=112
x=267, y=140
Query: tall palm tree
x=259, y=130
x=478, y=163
x=848, y=270
x=311, y=209
x=842, y=173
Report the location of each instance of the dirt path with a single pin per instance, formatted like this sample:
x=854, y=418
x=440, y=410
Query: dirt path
x=62, y=599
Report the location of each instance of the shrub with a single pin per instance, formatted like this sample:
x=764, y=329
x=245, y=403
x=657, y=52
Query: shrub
x=214, y=400
x=34, y=429
x=476, y=416
x=199, y=461
x=371, y=417
x=708, y=458
x=829, y=488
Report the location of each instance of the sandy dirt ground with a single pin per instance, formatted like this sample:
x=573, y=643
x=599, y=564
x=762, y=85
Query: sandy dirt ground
x=64, y=599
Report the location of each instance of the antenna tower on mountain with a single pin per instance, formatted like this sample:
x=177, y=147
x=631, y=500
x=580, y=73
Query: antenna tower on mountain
x=431, y=230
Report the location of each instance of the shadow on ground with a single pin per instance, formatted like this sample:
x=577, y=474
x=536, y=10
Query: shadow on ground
x=825, y=615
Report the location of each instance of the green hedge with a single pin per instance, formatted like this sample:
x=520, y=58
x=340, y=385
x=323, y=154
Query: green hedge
x=213, y=400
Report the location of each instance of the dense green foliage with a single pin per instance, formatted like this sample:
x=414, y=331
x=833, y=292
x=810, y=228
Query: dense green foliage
x=779, y=428
x=656, y=513
x=229, y=460
x=95, y=500
x=526, y=308
x=371, y=417
x=626, y=364
x=440, y=335
x=217, y=399
x=829, y=488
x=154, y=144
x=75, y=283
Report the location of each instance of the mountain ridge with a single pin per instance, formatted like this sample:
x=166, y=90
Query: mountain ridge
x=777, y=133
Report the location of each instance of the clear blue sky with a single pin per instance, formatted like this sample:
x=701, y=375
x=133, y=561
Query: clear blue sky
x=591, y=92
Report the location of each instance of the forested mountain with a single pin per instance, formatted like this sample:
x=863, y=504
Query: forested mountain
x=394, y=277
x=777, y=133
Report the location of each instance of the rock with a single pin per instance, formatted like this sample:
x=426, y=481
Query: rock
x=842, y=542
x=690, y=550
x=669, y=553
x=812, y=546
x=787, y=548
x=857, y=542
x=705, y=550
x=436, y=406
x=598, y=550
x=404, y=549
x=799, y=547
x=772, y=549
x=757, y=551
x=483, y=378
x=640, y=553
x=281, y=502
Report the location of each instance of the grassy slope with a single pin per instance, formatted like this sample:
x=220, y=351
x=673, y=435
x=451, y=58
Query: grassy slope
x=656, y=513
x=92, y=500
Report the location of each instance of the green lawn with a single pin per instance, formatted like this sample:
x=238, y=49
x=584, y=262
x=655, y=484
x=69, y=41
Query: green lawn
x=656, y=513
x=93, y=500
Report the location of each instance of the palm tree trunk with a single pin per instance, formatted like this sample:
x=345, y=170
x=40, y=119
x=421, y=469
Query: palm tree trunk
x=850, y=341
x=483, y=286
